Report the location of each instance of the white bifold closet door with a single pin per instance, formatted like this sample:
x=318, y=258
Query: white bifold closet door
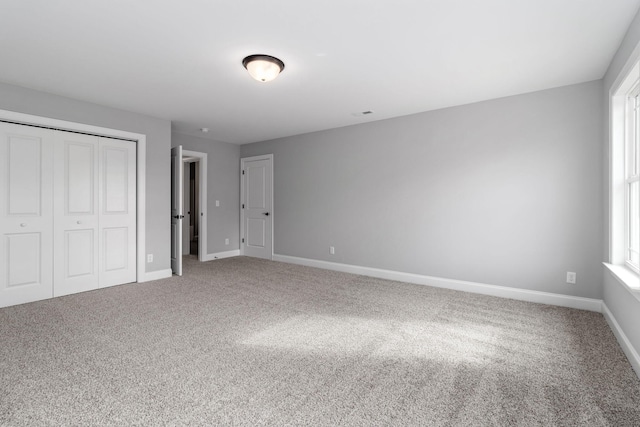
x=68, y=205
x=94, y=213
x=26, y=214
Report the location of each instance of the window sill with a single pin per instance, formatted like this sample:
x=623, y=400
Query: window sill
x=628, y=278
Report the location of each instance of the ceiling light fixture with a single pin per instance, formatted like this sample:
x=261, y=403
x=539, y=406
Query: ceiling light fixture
x=263, y=68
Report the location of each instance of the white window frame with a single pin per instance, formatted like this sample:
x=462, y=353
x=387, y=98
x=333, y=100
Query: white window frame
x=632, y=134
x=619, y=167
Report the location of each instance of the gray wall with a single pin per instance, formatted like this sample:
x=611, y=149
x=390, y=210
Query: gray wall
x=624, y=307
x=158, y=184
x=506, y=192
x=223, y=184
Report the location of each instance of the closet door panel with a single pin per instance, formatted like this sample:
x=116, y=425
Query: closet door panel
x=117, y=212
x=24, y=259
x=24, y=180
x=116, y=176
x=79, y=246
x=80, y=175
x=26, y=230
x=116, y=248
x=75, y=213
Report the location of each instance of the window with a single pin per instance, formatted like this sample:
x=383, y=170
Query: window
x=624, y=214
x=632, y=182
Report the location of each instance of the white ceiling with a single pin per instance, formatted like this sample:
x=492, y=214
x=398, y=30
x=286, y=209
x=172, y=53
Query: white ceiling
x=181, y=60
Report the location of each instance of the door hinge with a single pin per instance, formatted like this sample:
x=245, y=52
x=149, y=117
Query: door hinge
x=242, y=172
x=243, y=206
x=243, y=240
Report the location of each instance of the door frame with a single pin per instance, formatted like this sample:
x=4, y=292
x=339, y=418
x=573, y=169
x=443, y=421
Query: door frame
x=177, y=209
x=243, y=160
x=202, y=196
x=141, y=167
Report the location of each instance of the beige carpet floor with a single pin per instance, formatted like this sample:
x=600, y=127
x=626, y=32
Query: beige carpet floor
x=248, y=342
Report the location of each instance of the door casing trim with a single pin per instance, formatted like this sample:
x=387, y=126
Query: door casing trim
x=202, y=195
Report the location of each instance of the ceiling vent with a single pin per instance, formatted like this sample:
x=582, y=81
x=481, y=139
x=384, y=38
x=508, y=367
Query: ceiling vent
x=363, y=113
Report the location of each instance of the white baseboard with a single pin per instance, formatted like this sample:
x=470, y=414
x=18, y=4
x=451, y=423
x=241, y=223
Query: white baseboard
x=163, y=274
x=458, y=285
x=626, y=345
x=156, y=275
x=220, y=255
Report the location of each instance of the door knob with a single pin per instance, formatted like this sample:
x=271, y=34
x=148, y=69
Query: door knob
x=266, y=213
x=179, y=216
x=24, y=224
x=79, y=222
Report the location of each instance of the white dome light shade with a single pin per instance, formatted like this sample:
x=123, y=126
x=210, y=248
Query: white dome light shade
x=263, y=68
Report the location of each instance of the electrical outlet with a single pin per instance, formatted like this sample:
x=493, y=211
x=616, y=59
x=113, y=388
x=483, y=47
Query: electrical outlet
x=332, y=250
x=571, y=277
x=149, y=257
x=226, y=241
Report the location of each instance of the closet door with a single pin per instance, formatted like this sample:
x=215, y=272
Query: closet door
x=117, y=220
x=26, y=232
x=75, y=207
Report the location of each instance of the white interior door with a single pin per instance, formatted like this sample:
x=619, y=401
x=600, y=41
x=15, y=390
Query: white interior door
x=26, y=231
x=257, y=213
x=177, y=214
x=76, y=212
x=117, y=216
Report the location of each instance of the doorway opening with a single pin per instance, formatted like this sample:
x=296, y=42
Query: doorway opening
x=194, y=238
x=188, y=206
x=191, y=203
